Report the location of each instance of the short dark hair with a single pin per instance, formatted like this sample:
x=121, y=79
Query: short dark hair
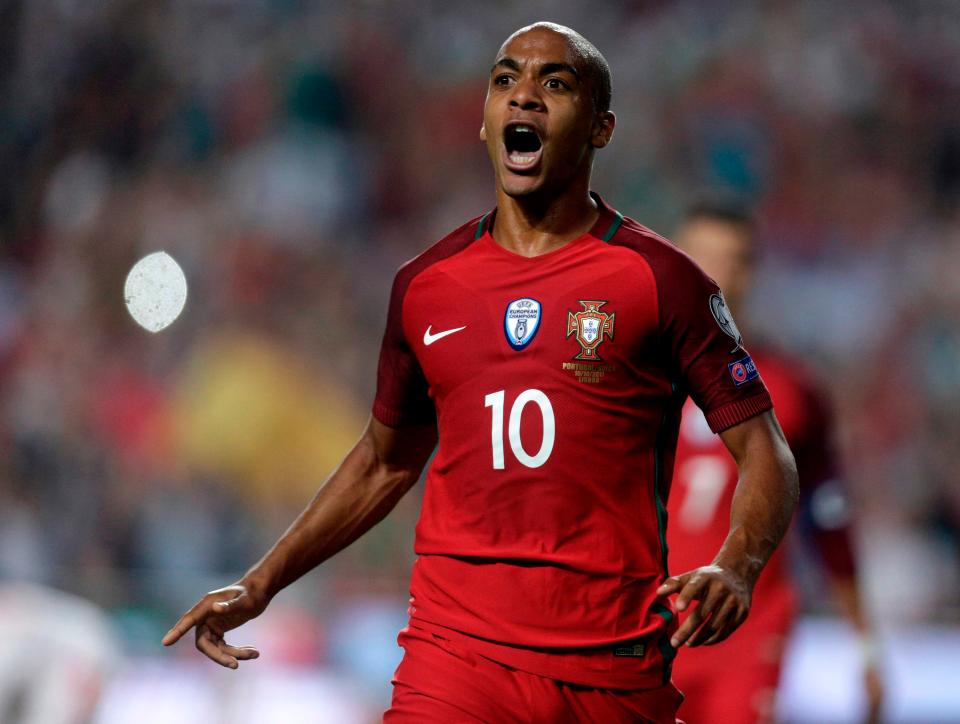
x=596, y=67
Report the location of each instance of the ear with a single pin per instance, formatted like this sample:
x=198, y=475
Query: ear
x=483, y=132
x=603, y=129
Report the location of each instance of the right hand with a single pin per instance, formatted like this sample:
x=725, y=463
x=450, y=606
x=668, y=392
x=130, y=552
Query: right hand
x=724, y=601
x=214, y=615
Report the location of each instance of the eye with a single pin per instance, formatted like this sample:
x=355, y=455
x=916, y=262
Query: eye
x=556, y=84
x=503, y=79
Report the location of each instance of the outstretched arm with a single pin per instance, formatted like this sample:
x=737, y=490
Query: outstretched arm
x=381, y=467
x=763, y=504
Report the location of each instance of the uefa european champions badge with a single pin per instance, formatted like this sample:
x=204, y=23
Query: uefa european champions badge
x=521, y=322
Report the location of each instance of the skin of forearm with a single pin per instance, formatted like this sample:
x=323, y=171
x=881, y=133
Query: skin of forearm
x=850, y=603
x=356, y=497
x=763, y=504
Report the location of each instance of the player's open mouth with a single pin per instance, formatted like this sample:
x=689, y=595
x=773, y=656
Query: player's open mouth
x=522, y=146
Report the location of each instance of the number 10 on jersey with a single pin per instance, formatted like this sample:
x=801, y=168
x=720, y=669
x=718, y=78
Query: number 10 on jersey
x=495, y=401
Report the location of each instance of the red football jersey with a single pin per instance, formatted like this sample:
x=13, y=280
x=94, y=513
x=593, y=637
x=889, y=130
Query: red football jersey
x=699, y=513
x=556, y=382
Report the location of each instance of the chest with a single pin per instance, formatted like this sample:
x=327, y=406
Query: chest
x=586, y=319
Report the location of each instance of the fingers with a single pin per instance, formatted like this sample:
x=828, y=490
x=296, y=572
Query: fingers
x=197, y=615
x=213, y=647
x=718, y=614
x=241, y=653
x=692, y=591
x=720, y=626
x=186, y=622
x=723, y=623
x=707, y=609
x=687, y=585
x=670, y=586
x=217, y=612
x=706, y=618
x=691, y=624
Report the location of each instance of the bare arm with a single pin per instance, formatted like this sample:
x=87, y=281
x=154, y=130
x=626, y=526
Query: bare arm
x=383, y=465
x=763, y=504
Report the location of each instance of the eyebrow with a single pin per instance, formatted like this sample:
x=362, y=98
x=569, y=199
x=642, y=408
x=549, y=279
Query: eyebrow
x=507, y=63
x=547, y=68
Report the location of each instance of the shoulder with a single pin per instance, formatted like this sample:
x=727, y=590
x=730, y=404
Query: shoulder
x=451, y=244
x=666, y=261
x=675, y=275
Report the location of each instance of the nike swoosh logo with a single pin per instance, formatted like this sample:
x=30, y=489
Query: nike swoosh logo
x=429, y=339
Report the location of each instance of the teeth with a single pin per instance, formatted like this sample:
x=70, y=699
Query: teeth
x=522, y=159
x=523, y=129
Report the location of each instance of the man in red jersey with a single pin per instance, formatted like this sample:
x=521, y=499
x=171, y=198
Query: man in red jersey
x=736, y=683
x=548, y=345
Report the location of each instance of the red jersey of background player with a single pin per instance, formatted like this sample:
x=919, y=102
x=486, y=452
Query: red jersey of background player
x=699, y=512
x=557, y=383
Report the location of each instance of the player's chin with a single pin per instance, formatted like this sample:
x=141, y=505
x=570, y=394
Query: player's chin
x=520, y=188
x=519, y=185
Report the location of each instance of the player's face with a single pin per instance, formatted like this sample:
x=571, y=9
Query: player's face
x=724, y=251
x=539, y=122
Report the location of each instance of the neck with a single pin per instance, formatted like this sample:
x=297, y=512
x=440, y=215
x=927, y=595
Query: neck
x=534, y=225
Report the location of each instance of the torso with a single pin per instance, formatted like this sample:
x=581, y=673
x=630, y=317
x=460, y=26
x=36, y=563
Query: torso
x=557, y=405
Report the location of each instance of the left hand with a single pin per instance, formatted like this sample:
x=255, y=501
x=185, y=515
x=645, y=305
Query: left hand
x=724, y=602
x=216, y=613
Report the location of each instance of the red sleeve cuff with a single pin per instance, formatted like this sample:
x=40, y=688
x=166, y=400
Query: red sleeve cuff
x=394, y=418
x=736, y=412
x=390, y=418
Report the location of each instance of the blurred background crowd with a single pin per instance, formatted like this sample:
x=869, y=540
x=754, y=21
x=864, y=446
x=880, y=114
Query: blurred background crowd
x=290, y=155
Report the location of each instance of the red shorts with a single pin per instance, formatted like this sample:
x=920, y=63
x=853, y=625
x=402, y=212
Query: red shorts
x=443, y=682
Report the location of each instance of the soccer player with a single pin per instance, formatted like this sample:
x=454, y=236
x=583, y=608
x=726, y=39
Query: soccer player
x=548, y=346
x=736, y=683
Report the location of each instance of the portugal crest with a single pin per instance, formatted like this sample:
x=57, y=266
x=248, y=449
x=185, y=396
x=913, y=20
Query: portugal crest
x=590, y=325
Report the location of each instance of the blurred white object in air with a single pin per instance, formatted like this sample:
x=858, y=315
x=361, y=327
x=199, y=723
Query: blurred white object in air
x=155, y=291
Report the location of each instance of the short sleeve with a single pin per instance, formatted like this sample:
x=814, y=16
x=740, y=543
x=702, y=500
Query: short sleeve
x=704, y=346
x=402, y=391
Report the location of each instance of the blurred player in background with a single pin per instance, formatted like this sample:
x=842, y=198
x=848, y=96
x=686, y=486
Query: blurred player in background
x=548, y=346
x=736, y=683
x=59, y=651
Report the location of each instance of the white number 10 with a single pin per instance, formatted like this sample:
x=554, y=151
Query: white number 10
x=495, y=401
